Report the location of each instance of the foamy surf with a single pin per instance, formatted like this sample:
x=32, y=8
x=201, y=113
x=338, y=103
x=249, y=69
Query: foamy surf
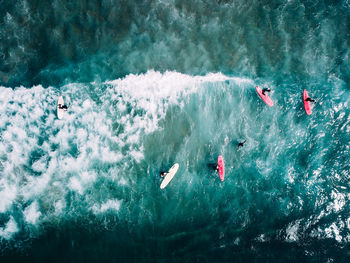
x=44, y=160
x=100, y=164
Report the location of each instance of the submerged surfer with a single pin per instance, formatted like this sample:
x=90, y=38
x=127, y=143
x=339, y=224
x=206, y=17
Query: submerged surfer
x=163, y=174
x=62, y=107
x=311, y=100
x=265, y=90
x=241, y=144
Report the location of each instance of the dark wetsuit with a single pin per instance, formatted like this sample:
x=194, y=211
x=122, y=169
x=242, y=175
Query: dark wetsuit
x=264, y=90
x=241, y=144
x=62, y=107
x=311, y=100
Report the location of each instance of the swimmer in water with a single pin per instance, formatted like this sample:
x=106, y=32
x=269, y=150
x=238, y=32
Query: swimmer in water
x=241, y=144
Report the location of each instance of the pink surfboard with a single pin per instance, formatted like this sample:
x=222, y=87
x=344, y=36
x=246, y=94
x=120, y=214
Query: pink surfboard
x=221, y=166
x=265, y=97
x=307, y=104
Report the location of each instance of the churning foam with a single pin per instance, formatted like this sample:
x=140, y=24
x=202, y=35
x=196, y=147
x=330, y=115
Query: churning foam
x=109, y=205
x=9, y=229
x=43, y=159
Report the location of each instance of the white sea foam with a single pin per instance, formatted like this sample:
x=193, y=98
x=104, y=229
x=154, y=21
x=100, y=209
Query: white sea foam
x=79, y=183
x=34, y=186
x=40, y=165
x=292, y=231
x=291, y=175
x=43, y=158
x=32, y=213
x=122, y=181
x=7, y=195
x=338, y=201
x=154, y=92
x=348, y=223
x=9, y=229
x=75, y=185
x=111, y=205
x=59, y=205
x=333, y=231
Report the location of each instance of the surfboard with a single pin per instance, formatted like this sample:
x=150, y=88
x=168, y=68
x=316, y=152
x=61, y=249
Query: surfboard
x=169, y=176
x=60, y=112
x=307, y=104
x=265, y=97
x=221, y=166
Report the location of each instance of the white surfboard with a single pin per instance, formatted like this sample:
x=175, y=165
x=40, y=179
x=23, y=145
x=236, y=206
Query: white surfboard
x=60, y=112
x=169, y=175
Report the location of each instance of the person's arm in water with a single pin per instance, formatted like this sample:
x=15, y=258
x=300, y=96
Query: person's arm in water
x=311, y=100
x=162, y=174
x=265, y=89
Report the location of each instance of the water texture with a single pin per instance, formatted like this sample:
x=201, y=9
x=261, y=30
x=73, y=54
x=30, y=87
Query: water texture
x=55, y=42
x=151, y=83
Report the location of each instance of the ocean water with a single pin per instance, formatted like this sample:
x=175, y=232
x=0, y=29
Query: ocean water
x=150, y=83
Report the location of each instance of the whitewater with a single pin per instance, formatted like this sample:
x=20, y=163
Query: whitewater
x=157, y=82
x=103, y=159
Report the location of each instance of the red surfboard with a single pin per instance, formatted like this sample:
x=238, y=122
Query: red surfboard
x=265, y=97
x=307, y=104
x=221, y=166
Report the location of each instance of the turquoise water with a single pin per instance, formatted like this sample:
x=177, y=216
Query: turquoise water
x=151, y=83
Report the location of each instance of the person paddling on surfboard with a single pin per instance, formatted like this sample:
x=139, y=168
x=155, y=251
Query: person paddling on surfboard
x=311, y=100
x=265, y=90
x=62, y=107
x=168, y=176
x=264, y=96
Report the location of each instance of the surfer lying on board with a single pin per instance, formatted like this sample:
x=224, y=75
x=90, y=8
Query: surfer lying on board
x=62, y=107
x=311, y=100
x=265, y=90
x=241, y=144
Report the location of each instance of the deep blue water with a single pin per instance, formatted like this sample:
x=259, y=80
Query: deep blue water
x=153, y=83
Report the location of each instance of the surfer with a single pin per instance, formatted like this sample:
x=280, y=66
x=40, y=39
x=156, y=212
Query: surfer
x=311, y=100
x=168, y=176
x=62, y=107
x=265, y=90
x=241, y=144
